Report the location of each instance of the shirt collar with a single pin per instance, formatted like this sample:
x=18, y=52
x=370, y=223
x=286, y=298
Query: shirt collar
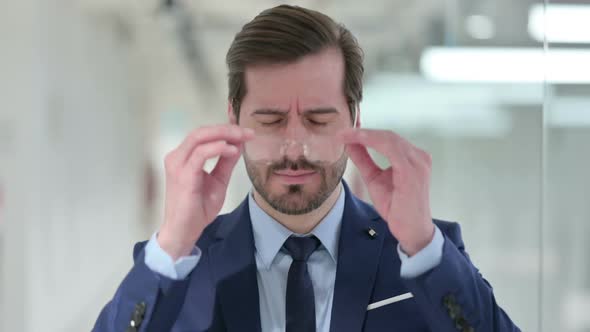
x=270, y=235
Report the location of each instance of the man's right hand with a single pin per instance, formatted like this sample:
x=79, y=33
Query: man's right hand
x=193, y=196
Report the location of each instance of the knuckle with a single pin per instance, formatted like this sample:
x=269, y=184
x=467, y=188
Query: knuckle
x=421, y=155
x=194, y=135
x=195, y=159
x=427, y=157
x=198, y=132
x=170, y=160
x=199, y=151
x=391, y=136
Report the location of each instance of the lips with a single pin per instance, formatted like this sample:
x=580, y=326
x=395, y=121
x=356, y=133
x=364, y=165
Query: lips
x=294, y=173
x=294, y=177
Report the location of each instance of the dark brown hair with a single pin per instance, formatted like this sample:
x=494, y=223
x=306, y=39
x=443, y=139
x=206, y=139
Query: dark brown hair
x=284, y=34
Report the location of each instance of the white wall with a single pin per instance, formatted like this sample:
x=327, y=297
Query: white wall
x=73, y=165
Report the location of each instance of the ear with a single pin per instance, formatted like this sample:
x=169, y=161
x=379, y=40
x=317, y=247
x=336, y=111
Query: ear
x=358, y=116
x=231, y=115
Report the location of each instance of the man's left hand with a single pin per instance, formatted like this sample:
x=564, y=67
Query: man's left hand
x=400, y=193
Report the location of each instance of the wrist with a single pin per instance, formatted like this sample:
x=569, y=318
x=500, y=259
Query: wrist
x=175, y=246
x=419, y=242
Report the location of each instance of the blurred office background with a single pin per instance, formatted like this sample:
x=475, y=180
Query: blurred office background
x=93, y=93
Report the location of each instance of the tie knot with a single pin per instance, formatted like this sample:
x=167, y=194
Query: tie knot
x=300, y=248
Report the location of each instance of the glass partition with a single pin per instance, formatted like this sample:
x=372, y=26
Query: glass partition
x=566, y=168
x=472, y=94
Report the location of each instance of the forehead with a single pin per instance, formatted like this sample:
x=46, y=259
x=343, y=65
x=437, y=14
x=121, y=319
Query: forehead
x=313, y=81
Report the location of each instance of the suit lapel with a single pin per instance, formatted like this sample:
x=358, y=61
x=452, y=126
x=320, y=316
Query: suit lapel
x=358, y=260
x=234, y=269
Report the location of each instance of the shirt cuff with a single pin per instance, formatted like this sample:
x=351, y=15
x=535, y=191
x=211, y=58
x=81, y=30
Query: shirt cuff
x=160, y=262
x=424, y=260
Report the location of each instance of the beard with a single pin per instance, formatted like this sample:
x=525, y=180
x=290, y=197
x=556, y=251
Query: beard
x=295, y=199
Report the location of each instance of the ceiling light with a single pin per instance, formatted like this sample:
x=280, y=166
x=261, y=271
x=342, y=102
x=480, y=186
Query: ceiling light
x=506, y=65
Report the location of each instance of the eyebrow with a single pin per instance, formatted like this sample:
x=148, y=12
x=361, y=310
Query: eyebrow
x=269, y=111
x=323, y=110
x=274, y=111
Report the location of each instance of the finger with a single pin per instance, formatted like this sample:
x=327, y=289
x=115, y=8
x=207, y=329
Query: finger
x=229, y=133
x=385, y=142
x=225, y=166
x=362, y=159
x=206, y=151
x=420, y=159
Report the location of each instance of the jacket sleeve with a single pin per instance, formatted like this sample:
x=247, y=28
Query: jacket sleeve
x=454, y=296
x=145, y=300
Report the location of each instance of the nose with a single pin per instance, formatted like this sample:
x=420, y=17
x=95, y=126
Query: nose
x=294, y=145
x=295, y=129
x=293, y=149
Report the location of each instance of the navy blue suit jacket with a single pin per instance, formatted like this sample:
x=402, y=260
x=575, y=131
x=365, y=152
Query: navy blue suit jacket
x=221, y=293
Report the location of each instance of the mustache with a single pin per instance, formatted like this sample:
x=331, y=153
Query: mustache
x=295, y=165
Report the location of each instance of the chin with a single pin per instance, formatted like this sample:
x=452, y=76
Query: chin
x=298, y=189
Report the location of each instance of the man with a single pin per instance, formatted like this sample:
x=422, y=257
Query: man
x=301, y=253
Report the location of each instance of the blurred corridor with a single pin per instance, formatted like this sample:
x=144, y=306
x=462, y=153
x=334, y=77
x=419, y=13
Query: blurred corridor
x=94, y=93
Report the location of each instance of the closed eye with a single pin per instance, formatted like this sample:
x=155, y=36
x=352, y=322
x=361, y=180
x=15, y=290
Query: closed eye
x=317, y=123
x=271, y=123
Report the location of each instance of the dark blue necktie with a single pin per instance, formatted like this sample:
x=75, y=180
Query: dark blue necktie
x=300, y=297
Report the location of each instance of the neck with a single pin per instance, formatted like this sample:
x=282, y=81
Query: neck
x=302, y=223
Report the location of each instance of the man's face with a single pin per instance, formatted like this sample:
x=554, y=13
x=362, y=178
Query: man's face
x=294, y=102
